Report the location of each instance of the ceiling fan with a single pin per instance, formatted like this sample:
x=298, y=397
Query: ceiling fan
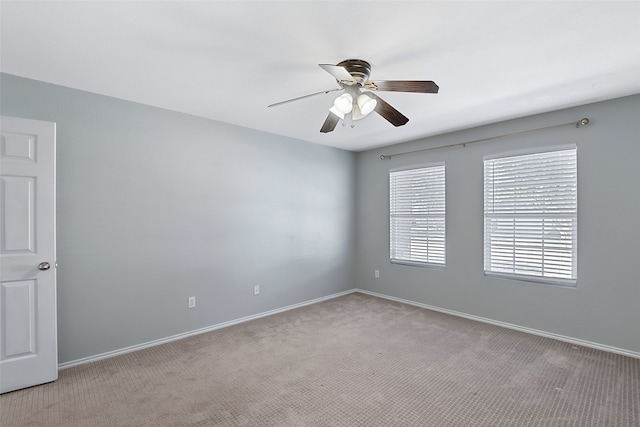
x=359, y=98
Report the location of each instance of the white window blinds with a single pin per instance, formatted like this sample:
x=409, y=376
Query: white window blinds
x=417, y=216
x=530, y=216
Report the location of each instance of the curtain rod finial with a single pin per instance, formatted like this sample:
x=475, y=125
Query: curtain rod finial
x=383, y=157
x=582, y=122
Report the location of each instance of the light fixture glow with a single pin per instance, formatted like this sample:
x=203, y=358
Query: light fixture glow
x=366, y=104
x=343, y=103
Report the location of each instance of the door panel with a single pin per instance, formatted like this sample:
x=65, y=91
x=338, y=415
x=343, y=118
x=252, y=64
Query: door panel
x=28, y=329
x=18, y=326
x=18, y=146
x=18, y=222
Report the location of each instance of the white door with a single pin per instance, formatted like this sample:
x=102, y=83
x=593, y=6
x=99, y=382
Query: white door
x=28, y=330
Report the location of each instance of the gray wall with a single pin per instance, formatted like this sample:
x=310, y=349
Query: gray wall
x=155, y=206
x=605, y=306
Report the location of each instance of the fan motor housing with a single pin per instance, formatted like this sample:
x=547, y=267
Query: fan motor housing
x=360, y=70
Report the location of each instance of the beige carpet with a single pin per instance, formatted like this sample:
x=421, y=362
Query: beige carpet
x=351, y=361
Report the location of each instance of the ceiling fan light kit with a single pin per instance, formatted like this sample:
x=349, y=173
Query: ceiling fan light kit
x=366, y=104
x=359, y=98
x=344, y=103
x=337, y=112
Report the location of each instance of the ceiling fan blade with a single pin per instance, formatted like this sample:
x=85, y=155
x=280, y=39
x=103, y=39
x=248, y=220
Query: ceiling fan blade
x=330, y=123
x=392, y=115
x=339, y=73
x=419, y=86
x=305, y=96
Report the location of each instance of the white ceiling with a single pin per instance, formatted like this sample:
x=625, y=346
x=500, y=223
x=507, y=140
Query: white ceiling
x=228, y=60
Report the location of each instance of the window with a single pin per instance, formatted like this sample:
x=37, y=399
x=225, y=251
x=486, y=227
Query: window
x=417, y=219
x=530, y=216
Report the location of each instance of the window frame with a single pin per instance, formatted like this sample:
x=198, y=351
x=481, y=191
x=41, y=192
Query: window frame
x=543, y=277
x=441, y=217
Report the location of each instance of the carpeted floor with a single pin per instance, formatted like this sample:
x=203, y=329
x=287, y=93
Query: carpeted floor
x=356, y=360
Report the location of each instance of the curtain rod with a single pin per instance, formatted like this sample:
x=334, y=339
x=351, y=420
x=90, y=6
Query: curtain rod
x=579, y=123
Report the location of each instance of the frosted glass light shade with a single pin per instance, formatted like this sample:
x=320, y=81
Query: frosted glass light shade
x=366, y=104
x=344, y=103
x=337, y=112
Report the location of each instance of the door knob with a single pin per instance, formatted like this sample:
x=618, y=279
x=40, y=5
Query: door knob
x=44, y=266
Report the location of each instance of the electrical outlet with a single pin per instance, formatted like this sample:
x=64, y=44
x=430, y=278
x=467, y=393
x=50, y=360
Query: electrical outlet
x=192, y=302
x=256, y=290
x=376, y=274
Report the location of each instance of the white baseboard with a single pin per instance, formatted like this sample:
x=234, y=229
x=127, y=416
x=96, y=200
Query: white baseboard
x=570, y=340
x=196, y=332
x=558, y=337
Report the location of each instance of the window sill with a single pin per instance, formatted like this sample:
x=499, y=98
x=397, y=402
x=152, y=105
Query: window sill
x=563, y=283
x=419, y=264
